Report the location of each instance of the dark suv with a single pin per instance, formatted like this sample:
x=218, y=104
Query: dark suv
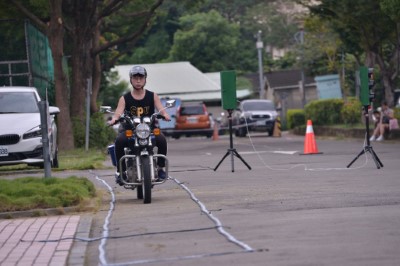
x=259, y=115
x=192, y=118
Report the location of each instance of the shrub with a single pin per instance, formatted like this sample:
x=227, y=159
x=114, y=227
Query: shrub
x=99, y=134
x=295, y=117
x=351, y=111
x=396, y=111
x=324, y=112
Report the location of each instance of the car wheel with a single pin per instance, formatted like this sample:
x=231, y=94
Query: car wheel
x=242, y=132
x=54, y=163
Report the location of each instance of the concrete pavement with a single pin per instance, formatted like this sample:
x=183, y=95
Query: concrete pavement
x=292, y=210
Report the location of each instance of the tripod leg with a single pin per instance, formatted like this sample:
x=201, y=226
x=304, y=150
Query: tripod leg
x=232, y=161
x=361, y=153
x=223, y=158
x=375, y=157
x=240, y=157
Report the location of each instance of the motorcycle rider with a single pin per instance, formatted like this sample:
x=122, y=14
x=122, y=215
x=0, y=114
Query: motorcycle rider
x=139, y=102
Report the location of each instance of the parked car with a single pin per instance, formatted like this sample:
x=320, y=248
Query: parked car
x=192, y=118
x=258, y=114
x=20, y=131
x=168, y=127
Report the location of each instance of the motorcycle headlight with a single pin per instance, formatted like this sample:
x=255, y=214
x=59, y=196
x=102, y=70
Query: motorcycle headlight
x=143, y=131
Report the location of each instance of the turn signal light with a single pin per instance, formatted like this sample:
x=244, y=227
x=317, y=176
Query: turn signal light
x=157, y=131
x=128, y=133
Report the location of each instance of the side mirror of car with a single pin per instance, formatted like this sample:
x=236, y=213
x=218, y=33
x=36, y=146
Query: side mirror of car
x=54, y=110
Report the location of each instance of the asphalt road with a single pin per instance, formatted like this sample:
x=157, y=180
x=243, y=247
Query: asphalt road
x=289, y=209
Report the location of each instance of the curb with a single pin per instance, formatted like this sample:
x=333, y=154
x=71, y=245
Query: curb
x=77, y=254
x=48, y=212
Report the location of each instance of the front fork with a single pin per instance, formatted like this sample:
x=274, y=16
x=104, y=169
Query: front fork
x=139, y=178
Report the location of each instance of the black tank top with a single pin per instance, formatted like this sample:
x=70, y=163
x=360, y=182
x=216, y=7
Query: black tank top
x=143, y=107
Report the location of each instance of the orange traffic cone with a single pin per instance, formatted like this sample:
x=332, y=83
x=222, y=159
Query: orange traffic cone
x=215, y=132
x=310, y=146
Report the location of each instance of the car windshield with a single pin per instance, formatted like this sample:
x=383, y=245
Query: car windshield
x=257, y=106
x=192, y=110
x=18, y=102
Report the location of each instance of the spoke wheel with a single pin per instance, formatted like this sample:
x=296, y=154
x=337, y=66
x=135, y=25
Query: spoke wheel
x=146, y=180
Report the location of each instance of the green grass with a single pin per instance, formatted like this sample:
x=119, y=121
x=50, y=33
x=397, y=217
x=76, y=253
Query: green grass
x=40, y=193
x=77, y=159
x=30, y=193
x=80, y=159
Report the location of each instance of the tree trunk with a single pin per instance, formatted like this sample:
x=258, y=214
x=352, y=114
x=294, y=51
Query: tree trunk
x=388, y=83
x=55, y=34
x=96, y=71
x=80, y=74
x=82, y=62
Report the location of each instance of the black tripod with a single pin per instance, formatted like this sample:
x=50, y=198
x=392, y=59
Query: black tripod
x=231, y=151
x=368, y=147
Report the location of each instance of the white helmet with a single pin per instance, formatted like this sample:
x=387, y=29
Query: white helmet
x=137, y=70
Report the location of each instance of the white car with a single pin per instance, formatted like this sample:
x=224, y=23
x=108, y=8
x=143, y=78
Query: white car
x=20, y=131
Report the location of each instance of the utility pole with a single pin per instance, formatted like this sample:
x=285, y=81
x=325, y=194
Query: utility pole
x=259, y=45
x=303, y=85
x=299, y=37
x=88, y=93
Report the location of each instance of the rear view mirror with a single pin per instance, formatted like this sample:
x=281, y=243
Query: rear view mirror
x=170, y=103
x=105, y=109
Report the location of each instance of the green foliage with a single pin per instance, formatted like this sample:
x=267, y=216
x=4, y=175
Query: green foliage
x=33, y=193
x=367, y=29
x=351, y=111
x=207, y=40
x=111, y=90
x=324, y=112
x=397, y=113
x=295, y=117
x=100, y=135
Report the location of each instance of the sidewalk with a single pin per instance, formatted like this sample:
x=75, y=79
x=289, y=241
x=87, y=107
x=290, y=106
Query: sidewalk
x=43, y=240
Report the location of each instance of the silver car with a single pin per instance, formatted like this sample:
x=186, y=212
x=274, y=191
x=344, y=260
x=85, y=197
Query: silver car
x=20, y=131
x=254, y=115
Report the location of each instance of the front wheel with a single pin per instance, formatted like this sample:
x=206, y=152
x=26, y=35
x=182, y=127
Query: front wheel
x=146, y=180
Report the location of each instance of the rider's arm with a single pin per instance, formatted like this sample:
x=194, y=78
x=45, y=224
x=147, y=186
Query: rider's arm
x=119, y=111
x=159, y=106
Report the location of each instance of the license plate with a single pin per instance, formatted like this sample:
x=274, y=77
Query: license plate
x=3, y=151
x=192, y=119
x=261, y=123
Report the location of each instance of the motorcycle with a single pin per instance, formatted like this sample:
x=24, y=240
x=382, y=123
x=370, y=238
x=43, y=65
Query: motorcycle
x=139, y=158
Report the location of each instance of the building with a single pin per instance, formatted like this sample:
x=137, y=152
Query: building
x=181, y=80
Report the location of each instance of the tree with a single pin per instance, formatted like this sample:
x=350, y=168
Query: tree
x=53, y=28
x=365, y=26
x=94, y=28
x=207, y=40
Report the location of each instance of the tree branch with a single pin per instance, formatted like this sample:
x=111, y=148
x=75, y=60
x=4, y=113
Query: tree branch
x=112, y=7
x=30, y=15
x=132, y=36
